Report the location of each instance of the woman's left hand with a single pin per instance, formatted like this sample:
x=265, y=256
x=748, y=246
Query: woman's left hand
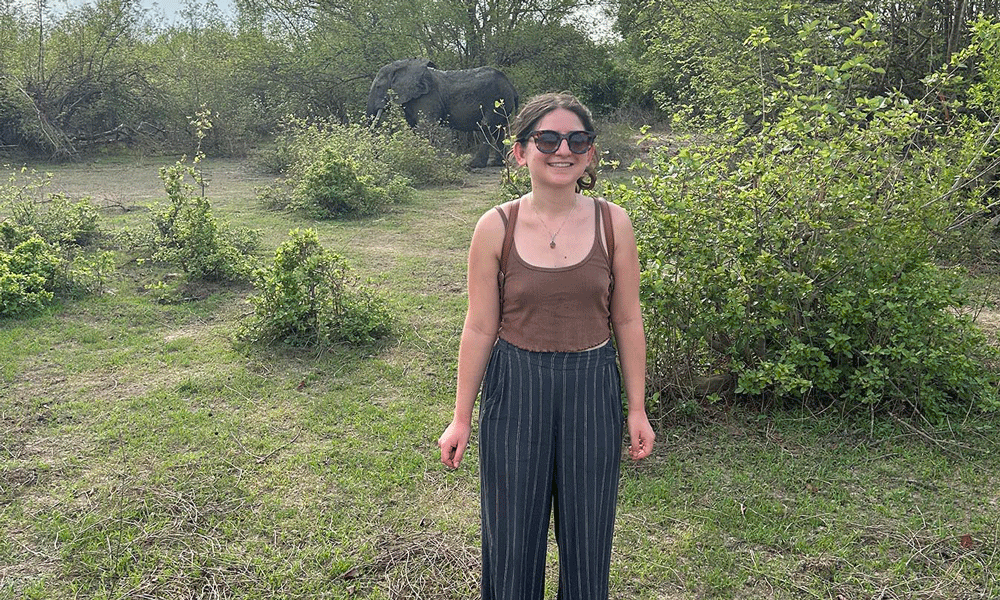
x=641, y=436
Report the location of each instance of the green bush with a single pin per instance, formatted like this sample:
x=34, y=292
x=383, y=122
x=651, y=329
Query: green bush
x=334, y=170
x=799, y=261
x=27, y=271
x=413, y=156
x=333, y=183
x=187, y=235
x=46, y=246
x=59, y=220
x=308, y=297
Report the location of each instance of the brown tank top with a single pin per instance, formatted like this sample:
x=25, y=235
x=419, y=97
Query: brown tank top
x=560, y=309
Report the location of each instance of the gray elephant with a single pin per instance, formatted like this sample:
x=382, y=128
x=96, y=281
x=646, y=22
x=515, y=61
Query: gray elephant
x=471, y=100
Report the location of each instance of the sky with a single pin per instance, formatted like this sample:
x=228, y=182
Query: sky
x=599, y=26
x=169, y=9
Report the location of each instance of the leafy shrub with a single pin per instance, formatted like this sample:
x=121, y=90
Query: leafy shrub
x=515, y=182
x=45, y=246
x=333, y=183
x=186, y=233
x=59, y=220
x=416, y=157
x=798, y=261
x=27, y=271
x=350, y=170
x=308, y=297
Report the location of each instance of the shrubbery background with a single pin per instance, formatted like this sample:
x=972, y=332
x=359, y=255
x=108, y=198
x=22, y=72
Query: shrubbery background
x=807, y=258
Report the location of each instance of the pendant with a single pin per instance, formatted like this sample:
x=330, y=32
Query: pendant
x=552, y=244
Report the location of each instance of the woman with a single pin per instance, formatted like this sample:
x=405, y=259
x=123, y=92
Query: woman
x=549, y=282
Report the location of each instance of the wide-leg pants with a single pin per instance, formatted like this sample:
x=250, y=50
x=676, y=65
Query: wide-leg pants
x=550, y=436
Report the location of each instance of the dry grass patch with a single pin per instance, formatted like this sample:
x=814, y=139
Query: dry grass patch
x=425, y=565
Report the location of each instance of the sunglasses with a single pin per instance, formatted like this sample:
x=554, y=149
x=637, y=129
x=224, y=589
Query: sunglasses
x=547, y=142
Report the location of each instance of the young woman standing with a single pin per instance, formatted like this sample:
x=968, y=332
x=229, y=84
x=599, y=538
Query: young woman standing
x=552, y=276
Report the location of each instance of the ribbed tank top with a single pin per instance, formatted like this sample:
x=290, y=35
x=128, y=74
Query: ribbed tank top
x=557, y=309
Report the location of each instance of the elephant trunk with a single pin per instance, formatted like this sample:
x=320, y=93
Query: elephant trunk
x=376, y=104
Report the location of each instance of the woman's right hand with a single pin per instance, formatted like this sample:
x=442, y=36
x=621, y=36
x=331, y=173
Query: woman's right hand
x=453, y=442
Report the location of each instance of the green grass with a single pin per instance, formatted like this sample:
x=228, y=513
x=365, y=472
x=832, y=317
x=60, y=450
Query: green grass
x=145, y=455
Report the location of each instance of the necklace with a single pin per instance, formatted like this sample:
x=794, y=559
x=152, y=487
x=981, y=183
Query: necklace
x=552, y=236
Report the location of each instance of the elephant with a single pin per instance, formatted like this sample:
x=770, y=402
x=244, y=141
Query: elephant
x=477, y=100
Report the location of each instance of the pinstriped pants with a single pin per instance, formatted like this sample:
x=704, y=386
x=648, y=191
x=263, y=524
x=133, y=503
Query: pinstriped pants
x=550, y=435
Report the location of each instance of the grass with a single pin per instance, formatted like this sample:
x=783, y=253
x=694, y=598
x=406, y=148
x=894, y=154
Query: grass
x=144, y=455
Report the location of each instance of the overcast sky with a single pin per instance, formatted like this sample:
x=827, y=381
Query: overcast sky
x=598, y=25
x=167, y=8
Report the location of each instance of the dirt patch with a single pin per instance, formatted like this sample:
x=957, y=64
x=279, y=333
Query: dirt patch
x=989, y=320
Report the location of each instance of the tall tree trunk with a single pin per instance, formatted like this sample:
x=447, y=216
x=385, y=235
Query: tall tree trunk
x=957, y=28
x=40, y=4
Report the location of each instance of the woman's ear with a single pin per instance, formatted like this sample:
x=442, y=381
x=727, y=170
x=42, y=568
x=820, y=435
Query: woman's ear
x=518, y=151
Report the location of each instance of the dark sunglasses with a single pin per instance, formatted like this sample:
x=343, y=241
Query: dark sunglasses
x=547, y=142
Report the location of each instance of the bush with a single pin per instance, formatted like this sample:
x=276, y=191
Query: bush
x=333, y=183
x=46, y=246
x=798, y=262
x=515, y=182
x=63, y=221
x=418, y=158
x=27, y=271
x=187, y=235
x=308, y=297
x=335, y=170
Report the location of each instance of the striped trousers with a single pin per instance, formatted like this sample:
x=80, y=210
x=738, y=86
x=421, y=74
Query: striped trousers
x=550, y=437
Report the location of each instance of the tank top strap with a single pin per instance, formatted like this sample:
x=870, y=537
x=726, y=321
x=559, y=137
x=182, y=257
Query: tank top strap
x=609, y=231
x=597, y=222
x=508, y=241
x=508, y=237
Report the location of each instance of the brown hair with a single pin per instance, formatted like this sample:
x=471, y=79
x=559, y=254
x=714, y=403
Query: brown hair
x=541, y=105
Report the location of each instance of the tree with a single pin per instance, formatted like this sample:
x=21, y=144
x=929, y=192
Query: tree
x=694, y=52
x=88, y=83
x=799, y=260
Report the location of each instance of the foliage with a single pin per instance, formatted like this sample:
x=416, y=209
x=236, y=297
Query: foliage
x=77, y=78
x=308, y=297
x=544, y=57
x=983, y=52
x=694, y=53
x=44, y=246
x=27, y=270
x=63, y=222
x=415, y=156
x=798, y=262
x=187, y=235
x=350, y=170
x=921, y=37
x=333, y=181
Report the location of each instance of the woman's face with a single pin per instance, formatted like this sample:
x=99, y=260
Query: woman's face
x=561, y=168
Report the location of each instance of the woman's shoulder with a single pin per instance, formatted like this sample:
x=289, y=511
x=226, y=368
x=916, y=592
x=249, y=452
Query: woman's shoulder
x=492, y=218
x=618, y=214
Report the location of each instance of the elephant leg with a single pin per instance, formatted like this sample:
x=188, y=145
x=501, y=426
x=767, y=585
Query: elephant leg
x=490, y=138
x=495, y=140
x=482, y=156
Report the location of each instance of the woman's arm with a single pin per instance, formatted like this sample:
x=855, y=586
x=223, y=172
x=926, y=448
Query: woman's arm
x=478, y=334
x=626, y=318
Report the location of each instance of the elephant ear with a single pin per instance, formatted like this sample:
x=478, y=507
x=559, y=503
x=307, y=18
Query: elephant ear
x=411, y=82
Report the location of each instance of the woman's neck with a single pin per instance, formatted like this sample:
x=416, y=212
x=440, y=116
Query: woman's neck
x=552, y=201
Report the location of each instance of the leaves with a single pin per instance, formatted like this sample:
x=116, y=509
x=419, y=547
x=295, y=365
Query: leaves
x=308, y=297
x=802, y=258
